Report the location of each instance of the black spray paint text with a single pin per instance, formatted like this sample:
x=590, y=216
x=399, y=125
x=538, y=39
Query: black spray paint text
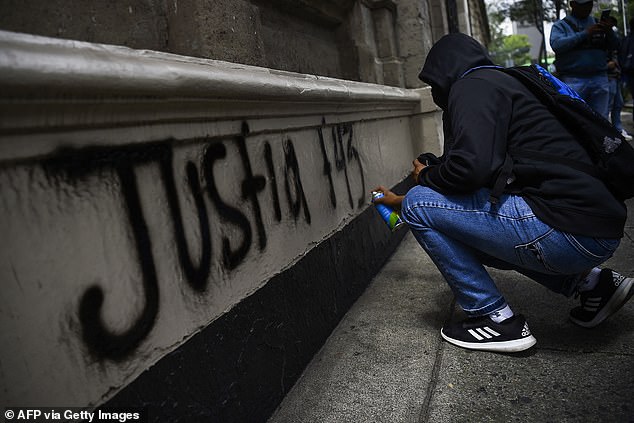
x=340, y=159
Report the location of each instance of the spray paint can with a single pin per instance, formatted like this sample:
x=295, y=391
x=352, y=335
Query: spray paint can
x=392, y=219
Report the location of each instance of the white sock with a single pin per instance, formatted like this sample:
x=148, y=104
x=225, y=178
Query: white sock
x=502, y=314
x=591, y=280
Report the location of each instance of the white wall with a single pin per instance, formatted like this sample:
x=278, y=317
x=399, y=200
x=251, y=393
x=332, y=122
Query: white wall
x=170, y=188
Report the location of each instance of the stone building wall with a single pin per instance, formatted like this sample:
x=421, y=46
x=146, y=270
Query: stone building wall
x=379, y=41
x=177, y=228
x=184, y=184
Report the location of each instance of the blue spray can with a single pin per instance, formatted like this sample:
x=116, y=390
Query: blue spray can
x=392, y=219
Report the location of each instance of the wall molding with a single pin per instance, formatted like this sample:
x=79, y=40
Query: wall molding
x=62, y=88
x=146, y=195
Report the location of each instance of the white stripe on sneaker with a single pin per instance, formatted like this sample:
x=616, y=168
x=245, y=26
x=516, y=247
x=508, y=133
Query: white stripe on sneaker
x=592, y=304
x=475, y=335
x=491, y=331
x=481, y=333
x=484, y=333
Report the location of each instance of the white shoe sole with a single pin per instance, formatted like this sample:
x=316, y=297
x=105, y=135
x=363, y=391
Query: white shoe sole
x=516, y=345
x=619, y=298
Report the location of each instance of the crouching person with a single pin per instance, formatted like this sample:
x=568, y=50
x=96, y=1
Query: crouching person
x=549, y=221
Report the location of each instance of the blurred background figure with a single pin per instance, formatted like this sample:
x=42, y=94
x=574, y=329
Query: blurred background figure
x=626, y=59
x=581, y=44
x=615, y=103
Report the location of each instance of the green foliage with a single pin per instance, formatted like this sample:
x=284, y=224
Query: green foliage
x=520, y=47
x=529, y=11
x=512, y=50
x=496, y=18
x=505, y=49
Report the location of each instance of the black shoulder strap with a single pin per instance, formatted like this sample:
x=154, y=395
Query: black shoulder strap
x=504, y=177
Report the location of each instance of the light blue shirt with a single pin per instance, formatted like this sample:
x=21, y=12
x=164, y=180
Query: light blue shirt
x=574, y=57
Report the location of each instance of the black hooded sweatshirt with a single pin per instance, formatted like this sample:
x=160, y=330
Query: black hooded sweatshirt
x=486, y=113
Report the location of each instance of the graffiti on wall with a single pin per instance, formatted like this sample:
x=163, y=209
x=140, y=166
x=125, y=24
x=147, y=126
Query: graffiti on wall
x=282, y=185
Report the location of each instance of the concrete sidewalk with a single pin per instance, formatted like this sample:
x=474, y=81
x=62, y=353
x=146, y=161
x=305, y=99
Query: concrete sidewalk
x=386, y=361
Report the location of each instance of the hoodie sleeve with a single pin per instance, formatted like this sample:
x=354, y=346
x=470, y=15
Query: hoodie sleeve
x=563, y=38
x=479, y=114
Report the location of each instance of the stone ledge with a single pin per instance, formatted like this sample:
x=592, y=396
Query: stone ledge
x=48, y=67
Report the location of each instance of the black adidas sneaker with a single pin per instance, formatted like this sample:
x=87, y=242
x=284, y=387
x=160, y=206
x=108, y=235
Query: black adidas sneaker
x=482, y=333
x=612, y=291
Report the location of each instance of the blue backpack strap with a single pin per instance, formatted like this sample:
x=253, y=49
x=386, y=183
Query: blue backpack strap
x=480, y=67
x=560, y=86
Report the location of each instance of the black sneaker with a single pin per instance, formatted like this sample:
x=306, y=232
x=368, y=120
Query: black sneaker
x=612, y=291
x=482, y=333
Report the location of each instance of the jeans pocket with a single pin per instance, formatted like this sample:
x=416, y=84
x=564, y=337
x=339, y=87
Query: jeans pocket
x=557, y=252
x=532, y=256
x=594, y=249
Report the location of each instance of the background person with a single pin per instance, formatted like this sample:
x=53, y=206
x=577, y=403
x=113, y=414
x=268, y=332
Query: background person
x=626, y=59
x=581, y=44
x=615, y=103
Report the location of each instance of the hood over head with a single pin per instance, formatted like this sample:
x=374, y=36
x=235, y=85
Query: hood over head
x=449, y=58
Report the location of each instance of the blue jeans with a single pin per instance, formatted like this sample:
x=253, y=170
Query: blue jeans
x=595, y=90
x=615, y=104
x=461, y=233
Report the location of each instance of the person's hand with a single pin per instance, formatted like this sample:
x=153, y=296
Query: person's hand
x=389, y=198
x=418, y=167
x=598, y=28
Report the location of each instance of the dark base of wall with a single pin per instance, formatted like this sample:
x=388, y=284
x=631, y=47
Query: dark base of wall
x=239, y=368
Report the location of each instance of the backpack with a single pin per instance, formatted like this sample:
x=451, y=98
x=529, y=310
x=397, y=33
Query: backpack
x=613, y=157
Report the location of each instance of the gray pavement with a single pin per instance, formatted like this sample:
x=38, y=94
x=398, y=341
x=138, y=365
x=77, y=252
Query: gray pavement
x=386, y=361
